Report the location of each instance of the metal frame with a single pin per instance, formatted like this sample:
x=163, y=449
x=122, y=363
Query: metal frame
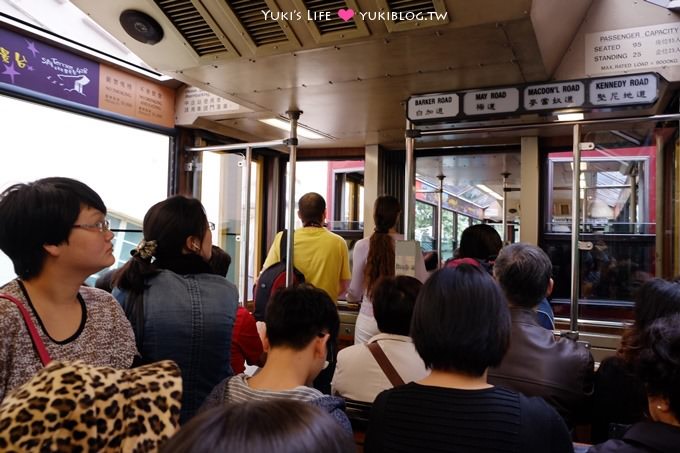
x=412, y=133
x=291, y=143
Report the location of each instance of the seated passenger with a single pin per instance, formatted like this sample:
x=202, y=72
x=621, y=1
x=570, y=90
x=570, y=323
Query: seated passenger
x=483, y=243
x=358, y=376
x=659, y=370
x=460, y=327
x=179, y=308
x=373, y=258
x=246, y=346
x=277, y=425
x=56, y=234
x=71, y=406
x=620, y=397
x=300, y=321
x=538, y=364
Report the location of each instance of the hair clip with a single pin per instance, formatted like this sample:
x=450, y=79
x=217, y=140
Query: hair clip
x=145, y=249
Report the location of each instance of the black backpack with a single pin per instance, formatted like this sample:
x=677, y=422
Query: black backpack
x=272, y=279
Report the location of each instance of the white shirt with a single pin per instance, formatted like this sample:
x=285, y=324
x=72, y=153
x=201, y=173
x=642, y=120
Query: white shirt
x=359, y=377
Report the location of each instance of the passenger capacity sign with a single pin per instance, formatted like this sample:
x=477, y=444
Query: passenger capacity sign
x=433, y=106
x=554, y=95
x=636, y=89
x=633, y=49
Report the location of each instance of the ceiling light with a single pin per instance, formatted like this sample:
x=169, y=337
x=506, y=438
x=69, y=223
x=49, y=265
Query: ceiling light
x=570, y=116
x=285, y=125
x=493, y=193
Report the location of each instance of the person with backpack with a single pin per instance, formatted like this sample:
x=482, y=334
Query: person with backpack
x=320, y=256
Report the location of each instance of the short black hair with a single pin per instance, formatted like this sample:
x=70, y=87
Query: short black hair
x=41, y=213
x=461, y=321
x=479, y=241
x=280, y=425
x=659, y=360
x=523, y=271
x=296, y=315
x=393, y=301
x=219, y=261
x=311, y=207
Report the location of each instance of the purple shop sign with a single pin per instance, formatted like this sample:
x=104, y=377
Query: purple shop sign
x=31, y=64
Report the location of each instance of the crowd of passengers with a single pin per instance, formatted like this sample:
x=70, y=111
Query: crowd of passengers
x=462, y=359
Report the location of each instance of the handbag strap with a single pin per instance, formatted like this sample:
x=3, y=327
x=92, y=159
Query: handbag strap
x=385, y=364
x=37, y=341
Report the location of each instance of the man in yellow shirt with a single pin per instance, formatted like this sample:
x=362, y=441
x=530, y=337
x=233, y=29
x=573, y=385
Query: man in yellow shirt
x=323, y=258
x=320, y=255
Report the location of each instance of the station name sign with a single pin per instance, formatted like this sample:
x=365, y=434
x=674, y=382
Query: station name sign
x=585, y=94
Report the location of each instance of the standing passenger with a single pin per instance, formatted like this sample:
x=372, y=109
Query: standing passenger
x=322, y=257
x=319, y=254
x=374, y=258
x=461, y=327
x=180, y=309
x=56, y=234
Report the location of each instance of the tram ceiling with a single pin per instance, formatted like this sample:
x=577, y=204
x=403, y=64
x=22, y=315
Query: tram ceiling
x=350, y=78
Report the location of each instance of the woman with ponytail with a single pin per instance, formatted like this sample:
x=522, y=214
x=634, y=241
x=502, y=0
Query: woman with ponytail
x=180, y=310
x=373, y=258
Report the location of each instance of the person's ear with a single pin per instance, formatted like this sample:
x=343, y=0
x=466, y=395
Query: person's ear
x=659, y=408
x=52, y=250
x=266, y=347
x=551, y=284
x=193, y=244
x=320, y=347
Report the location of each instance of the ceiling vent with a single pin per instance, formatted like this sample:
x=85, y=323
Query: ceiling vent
x=192, y=25
x=326, y=25
x=414, y=14
x=264, y=34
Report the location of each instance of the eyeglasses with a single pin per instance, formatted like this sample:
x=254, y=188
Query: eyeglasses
x=102, y=226
x=211, y=225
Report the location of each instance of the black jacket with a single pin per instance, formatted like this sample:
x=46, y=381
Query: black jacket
x=643, y=437
x=537, y=364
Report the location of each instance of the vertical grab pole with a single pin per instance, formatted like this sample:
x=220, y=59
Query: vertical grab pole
x=294, y=115
x=505, y=207
x=440, y=211
x=245, y=224
x=575, y=217
x=409, y=178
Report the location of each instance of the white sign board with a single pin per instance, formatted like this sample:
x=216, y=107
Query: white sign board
x=554, y=96
x=194, y=102
x=486, y=102
x=405, y=257
x=633, y=49
x=433, y=106
x=633, y=89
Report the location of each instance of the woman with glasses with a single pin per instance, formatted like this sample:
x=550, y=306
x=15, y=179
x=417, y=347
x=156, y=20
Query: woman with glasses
x=180, y=310
x=55, y=232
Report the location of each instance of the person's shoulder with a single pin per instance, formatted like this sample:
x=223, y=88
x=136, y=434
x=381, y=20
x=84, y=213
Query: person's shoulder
x=93, y=295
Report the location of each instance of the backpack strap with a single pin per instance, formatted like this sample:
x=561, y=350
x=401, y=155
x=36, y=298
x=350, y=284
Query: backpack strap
x=283, y=249
x=35, y=337
x=385, y=364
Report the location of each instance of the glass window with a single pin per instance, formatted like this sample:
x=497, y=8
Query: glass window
x=617, y=221
x=448, y=227
x=115, y=160
x=424, y=221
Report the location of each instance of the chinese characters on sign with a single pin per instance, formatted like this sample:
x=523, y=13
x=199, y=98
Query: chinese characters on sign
x=633, y=49
x=503, y=100
x=554, y=96
x=434, y=106
x=640, y=89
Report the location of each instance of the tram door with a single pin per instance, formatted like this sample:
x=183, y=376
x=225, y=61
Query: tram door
x=479, y=187
x=625, y=229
